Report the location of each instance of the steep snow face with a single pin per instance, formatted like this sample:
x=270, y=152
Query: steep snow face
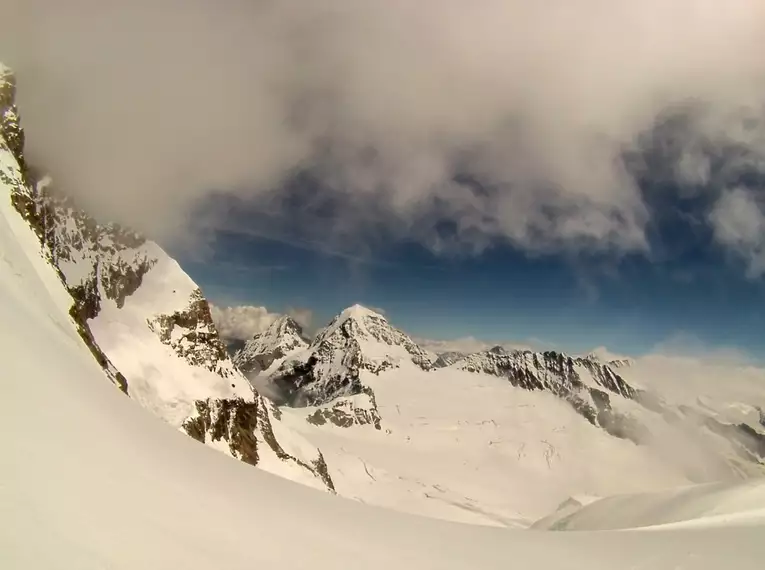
x=143, y=319
x=357, y=340
x=282, y=338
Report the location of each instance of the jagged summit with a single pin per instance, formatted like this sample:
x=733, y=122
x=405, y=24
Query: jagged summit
x=357, y=341
x=281, y=338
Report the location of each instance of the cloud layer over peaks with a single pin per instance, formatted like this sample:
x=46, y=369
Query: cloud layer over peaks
x=447, y=122
x=242, y=322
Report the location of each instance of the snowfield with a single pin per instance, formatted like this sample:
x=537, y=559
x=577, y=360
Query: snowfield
x=91, y=480
x=472, y=448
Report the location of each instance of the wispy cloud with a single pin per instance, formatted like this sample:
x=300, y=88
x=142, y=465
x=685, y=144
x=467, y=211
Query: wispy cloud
x=241, y=322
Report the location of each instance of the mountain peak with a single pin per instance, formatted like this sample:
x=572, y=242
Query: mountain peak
x=285, y=324
x=358, y=340
x=359, y=312
x=282, y=337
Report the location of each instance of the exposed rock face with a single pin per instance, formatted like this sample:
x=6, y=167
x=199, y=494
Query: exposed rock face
x=283, y=337
x=620, y=363
x=448, y=358
x=561, y=375
x=10, y=123
x=233, y=421
x=356, y=340
x=43, y=217
x=192, y=335
x=605, y=376
x=347, y=412
x=244, y=426
x=325, y=376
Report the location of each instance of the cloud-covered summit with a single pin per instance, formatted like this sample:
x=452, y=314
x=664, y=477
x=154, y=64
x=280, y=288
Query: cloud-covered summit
x=451, y=123
x=242, y=322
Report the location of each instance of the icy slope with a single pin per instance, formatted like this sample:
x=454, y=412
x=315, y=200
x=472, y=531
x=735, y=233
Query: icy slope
x=143, y=319
x=91, y=481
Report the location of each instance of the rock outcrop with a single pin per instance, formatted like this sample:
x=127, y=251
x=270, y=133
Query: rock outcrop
x=244, y=426
x=192, y=335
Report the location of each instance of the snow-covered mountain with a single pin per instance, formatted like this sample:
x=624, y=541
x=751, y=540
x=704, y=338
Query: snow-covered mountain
x=145, y=321
x=332, y=375
x=585, y=383
x=553, y=424
x=357, y=342
x=283, y=337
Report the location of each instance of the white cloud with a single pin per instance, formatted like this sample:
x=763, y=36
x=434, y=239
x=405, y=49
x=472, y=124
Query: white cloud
x=687, y=346
x=606, y=355
x=738, y=221
x=156, y=102
x=241, y=322
x=302, y=315
x=469, y=344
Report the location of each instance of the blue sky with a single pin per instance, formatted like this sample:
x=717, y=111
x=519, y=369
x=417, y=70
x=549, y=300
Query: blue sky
x=692, y=268
x=630, y=304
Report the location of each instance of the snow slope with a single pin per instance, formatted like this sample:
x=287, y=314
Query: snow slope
x=473, y=448
x=712, y=505
x=142, y=318
x=460, y=441
x=91, y=481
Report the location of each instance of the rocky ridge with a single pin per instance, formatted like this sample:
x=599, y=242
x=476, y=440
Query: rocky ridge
x=104, y=267
x=564, y=376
